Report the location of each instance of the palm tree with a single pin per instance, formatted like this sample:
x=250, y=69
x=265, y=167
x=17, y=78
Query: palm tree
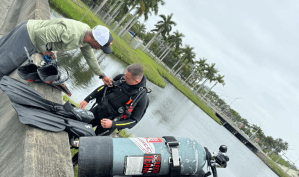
x=200, y=66
x=166, y=48
x=99, y=8
x=151, y=6
x=161, y=43
x=173, y=40
x=114, y=13
x=196, y=77
x=148, y=36
x=218, y=79
x=188, y=57
x=145, y=8
x=163, y=26
x=177, y=39
x=132, y=24
x=185, y=50
x=190, y=75
x=139, y=28
x=210, y=73
x=127, y=3
x=110, y=8
x=186, y=71
x=133, y=17
x=177, y=54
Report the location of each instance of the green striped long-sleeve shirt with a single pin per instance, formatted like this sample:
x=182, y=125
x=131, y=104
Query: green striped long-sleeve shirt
x=62, y=35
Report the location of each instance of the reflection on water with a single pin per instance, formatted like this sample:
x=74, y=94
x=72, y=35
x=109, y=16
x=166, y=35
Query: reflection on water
x=170, y=113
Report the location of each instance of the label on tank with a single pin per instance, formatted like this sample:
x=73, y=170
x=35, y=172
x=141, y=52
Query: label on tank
x=151, y=163
x=154, y=140
x=143, y=145
x=133, y=165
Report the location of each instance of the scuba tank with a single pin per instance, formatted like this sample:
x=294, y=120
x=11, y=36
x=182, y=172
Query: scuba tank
x=166, y=156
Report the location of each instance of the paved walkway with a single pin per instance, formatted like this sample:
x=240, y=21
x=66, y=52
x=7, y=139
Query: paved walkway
x=291, y=172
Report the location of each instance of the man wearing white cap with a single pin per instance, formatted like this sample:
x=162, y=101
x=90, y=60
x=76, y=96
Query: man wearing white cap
x=61, y=35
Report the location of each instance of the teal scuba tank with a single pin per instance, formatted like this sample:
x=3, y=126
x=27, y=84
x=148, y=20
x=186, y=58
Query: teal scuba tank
x=166, y=156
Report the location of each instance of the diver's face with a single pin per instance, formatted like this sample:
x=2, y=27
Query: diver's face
x=130, y=79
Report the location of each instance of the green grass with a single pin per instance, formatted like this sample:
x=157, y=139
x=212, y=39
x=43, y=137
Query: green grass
x=123, y=133
x=281, y=161
x=66, y=98
x=73, y=152
x=123, y=51
x=276, y=169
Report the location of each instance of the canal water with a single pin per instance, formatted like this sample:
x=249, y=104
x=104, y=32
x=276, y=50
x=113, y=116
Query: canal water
x=170, y=113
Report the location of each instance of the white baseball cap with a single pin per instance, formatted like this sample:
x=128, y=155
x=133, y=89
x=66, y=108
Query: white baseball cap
x=103, y=36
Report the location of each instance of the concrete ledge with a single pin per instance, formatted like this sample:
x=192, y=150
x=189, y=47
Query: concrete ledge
x=27, y=151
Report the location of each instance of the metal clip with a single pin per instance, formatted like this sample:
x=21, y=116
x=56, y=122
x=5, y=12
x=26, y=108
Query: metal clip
x=174, y=151
x=175, y=157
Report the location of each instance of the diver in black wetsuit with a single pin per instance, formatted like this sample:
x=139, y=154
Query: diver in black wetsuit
x=113, y=104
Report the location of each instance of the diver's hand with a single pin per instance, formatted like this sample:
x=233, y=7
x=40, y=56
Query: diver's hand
x=107, y=81
x=49, y=53
x=83, y=104
x=106, y=123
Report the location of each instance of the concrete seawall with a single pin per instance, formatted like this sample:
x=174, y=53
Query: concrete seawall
x=27, y=151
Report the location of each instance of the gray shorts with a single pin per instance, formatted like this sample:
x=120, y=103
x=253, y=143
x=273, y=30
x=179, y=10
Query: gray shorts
x=12, y=53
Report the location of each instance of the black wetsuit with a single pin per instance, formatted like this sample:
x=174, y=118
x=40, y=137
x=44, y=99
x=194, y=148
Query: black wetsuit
x=117, y=97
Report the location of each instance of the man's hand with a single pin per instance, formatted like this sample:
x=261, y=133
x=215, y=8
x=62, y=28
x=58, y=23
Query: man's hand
x=83, y=104
x=106, y=123
x=49, y=53
x=107, y=81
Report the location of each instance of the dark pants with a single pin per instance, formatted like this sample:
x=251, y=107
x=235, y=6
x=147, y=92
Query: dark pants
x=12, y=52
x=100, y=112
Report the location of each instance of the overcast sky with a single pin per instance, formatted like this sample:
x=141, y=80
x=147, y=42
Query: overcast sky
x=255, y=45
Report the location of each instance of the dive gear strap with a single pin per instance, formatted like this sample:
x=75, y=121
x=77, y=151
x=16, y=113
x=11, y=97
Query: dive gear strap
x=173, y=147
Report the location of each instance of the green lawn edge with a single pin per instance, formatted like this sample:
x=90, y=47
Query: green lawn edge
x=276, y=169
x=123, y=51
x=281, y=161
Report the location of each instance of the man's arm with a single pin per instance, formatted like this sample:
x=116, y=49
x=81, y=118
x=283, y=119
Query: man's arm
x=91, y=60
x=95, y=94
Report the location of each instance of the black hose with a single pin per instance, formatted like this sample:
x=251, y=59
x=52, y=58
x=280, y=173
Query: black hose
x=214, y=171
